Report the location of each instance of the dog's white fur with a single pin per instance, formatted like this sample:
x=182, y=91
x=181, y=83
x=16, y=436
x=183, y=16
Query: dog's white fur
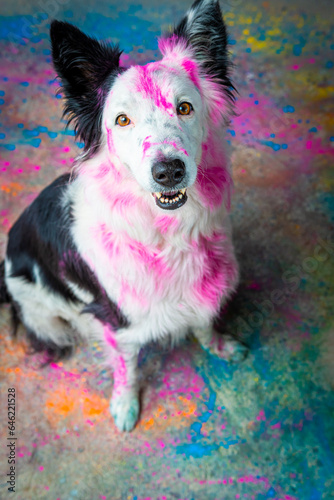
x=147, y=260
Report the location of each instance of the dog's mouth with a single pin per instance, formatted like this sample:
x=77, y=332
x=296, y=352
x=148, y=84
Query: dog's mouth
x=170, y=200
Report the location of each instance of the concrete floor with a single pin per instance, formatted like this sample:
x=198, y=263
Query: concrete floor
x=260, y=430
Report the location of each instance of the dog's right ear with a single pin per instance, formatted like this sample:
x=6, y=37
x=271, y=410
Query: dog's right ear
x=86, y=68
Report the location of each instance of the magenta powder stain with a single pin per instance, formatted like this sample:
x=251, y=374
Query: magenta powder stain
x=166, y=224
x=151, y=89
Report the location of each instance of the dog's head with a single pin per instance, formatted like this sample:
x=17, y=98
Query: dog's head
x=154, y=119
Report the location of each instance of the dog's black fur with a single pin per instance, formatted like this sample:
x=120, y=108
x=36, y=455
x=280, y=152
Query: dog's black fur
x=42, y=234
x=87, y=69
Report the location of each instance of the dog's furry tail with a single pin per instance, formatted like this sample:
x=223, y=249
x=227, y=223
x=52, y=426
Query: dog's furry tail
x=4, y=297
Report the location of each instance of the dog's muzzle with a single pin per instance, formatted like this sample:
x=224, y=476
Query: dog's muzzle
x=168, y=174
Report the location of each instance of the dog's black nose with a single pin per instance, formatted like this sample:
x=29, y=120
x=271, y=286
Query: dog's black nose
x=169, y=173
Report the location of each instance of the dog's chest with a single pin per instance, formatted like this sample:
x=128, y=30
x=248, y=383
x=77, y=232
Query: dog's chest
x=167, y=284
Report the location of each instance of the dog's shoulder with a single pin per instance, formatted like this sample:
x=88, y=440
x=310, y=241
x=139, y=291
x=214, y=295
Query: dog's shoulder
x=45, y=222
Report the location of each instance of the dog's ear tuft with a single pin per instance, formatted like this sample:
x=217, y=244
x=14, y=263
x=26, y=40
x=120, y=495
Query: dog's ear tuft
x=203, y=30
x=86, y=68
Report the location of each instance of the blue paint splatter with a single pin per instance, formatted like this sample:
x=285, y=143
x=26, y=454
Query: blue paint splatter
x=35, y=142
x=288, y=109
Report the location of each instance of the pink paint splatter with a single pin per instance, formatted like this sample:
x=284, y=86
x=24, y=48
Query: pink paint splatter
x=261, y=416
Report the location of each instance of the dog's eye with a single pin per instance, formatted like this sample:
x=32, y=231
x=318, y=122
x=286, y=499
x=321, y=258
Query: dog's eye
x=184, y=108
x=123, y=120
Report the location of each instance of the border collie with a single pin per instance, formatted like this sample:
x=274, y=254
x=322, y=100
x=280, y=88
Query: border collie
x=135, y=245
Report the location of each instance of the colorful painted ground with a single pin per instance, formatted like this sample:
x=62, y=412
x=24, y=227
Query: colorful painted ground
x=209, y=431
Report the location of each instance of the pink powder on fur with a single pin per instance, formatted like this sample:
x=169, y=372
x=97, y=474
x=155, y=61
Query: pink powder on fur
x=112, y=151
x=172, y=45
x=192, y=71
x=212, y=185
x=146, y=145
x=110, y=141
x=166, y=224
x=128, y=291
x=109, y=337
x=151, y=260
x=123, y=200
x=213, y=179
x=176, y=146
x=102, y=171
x=219, y=272
x=106, y=238
x=151, y=89
x=120, y=374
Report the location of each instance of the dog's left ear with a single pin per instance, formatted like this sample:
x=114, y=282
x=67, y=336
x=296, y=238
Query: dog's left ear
x=203, y=30
x=86, y=68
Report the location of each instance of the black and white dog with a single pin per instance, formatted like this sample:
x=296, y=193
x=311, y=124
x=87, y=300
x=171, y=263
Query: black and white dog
x=135, y=245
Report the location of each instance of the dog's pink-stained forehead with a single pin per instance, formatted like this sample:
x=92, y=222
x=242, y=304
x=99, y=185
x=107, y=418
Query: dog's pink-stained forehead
x=155, y=79
x=179, y=59
x=149, y=87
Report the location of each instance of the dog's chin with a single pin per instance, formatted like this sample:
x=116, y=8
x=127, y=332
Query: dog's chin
x=170, y=200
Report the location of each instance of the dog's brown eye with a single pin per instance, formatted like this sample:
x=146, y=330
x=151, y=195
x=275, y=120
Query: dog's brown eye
x=184, y=108
x=123, y=120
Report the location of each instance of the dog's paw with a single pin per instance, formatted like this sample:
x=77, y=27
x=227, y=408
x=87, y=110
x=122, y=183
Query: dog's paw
x=125, y=410
x=227, y=348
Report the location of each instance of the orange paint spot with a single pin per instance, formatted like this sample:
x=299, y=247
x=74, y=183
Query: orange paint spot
x=61, y=402
x=12, y=188
x=159, y=411
x=94, y=405
x=75, y=402
x=191, y=407
x=182, y=410
x=148, y=423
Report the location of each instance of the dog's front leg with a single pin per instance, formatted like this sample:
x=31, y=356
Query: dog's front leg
x=123, y=359
x=223, y=346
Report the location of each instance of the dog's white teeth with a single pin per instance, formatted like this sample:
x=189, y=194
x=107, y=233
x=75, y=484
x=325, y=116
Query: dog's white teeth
x=166, y=197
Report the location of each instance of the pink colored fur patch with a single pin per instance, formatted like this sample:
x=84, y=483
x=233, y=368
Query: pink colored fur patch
x=166, y=224
x=218, y=271
x=151, y=89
